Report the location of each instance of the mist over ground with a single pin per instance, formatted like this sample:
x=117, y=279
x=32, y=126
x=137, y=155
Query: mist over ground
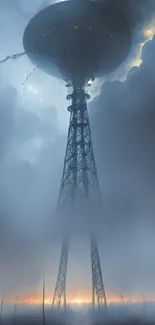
x=32, y=146
x=117, y=314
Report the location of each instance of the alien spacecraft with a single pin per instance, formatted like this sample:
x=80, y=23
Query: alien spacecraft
x=78, y=40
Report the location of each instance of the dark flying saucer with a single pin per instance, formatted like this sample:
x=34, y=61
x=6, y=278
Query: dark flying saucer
x=78, y=40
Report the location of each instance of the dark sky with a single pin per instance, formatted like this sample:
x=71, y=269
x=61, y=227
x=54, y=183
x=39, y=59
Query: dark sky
x=123, y=119
x=32, y=145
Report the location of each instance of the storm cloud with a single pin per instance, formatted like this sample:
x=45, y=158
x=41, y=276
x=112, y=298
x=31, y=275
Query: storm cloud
x=123, y=119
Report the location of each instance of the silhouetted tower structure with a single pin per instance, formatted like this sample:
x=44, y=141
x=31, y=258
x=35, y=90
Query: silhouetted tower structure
x=79, y=179
x=78, y=40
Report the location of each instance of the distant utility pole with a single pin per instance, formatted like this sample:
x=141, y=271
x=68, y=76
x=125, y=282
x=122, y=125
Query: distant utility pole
x=2, y=302
x=121, y=304
x=44, y=300
x=144, y=308
x=15, y=312
x=122, y=298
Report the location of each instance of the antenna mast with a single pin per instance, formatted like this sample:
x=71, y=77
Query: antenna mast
x=44, y=300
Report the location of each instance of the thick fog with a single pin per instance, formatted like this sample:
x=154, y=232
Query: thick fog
x=33, y=129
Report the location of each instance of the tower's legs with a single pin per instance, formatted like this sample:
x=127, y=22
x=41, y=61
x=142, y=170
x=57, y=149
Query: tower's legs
x=97, y=280
x=60, y=289
x=79, y=180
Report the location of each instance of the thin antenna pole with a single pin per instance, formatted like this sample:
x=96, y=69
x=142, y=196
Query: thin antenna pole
x=15, y=314
x=2, y=302
x=122, y=298
x=93, y=297
x=144, y=308
x=44, y=300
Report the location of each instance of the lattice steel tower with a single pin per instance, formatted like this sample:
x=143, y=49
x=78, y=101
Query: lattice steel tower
x=80, y=180
x=78, y=40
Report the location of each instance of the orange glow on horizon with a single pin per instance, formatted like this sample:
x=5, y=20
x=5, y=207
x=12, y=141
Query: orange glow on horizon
x=79, y=301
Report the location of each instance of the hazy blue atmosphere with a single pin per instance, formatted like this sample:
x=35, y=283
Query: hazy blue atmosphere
x=33, y=130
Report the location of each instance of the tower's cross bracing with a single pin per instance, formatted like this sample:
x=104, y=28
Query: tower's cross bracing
x=76, y=40
x=79, y=182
